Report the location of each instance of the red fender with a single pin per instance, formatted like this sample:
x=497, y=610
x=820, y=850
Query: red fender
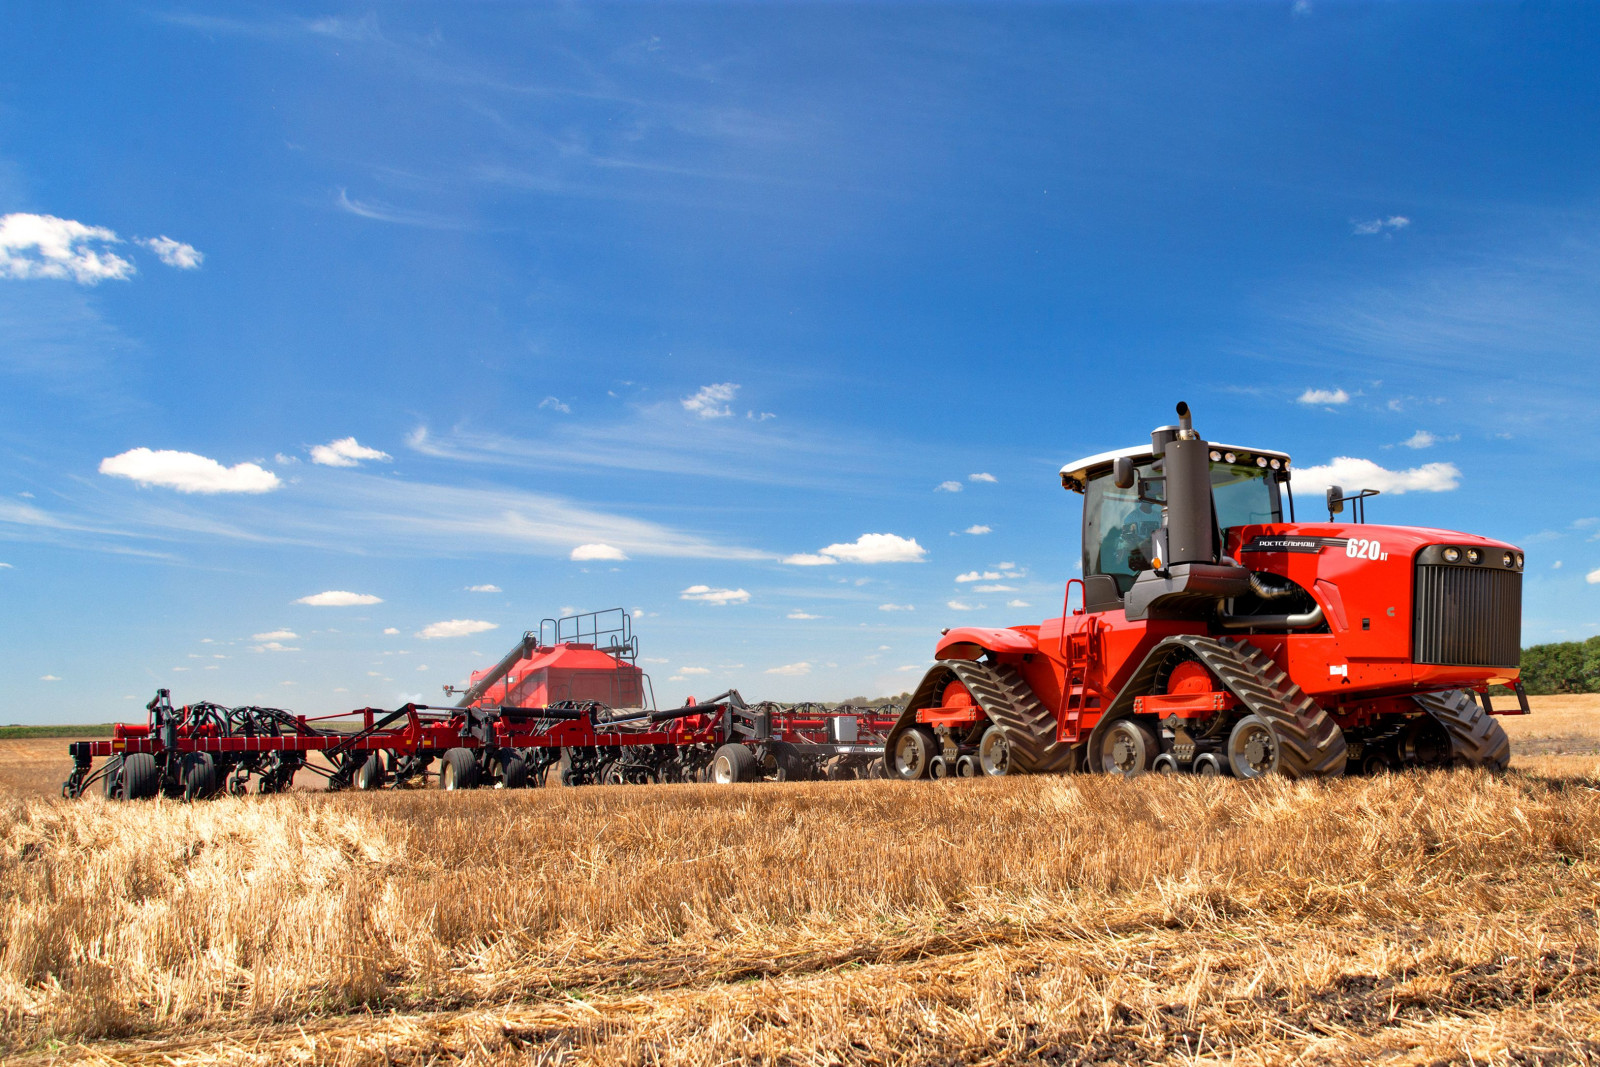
x=969, y=642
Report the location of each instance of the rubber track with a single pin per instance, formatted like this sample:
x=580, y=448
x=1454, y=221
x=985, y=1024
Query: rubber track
x=1010, y=704
x=1476, y=737
x=1310, y=743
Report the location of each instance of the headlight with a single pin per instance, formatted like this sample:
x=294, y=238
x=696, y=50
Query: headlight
x=1261, y=461
x=1216, y=457
x=1276, y=465
x=1519, y=561
x=1509, y=560
x=1451, y=555
x=1473, y=555
x=1229, y=456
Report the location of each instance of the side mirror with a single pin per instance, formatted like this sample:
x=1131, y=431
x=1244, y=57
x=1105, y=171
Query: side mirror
x=1122, y=472
x=1335, y=500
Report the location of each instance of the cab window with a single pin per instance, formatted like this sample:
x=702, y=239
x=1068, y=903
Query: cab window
x=1117, y=526
x=1244, y=495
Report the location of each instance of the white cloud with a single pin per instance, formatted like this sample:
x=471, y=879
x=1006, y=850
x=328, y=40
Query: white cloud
x=5, y=566
x=276, y=635
x=1018, y=604
x=273, y=646
x=339, y=598
x=554, y=404
x=1420, y=439
x=809, y=559
x=484, y=589
x=43, y=246
x=455, y=628
x=896, y=607
x=174, y=253
x=48, y=678
x=947, y=487
x=188, y=473
x=707, y=595
x=981, y=477
x=801, y=615
x=956, y=605
x=711, y=402
x=979, y=576
x=345, y=452
x=977, y=530
x=791, y=670
x=1368, y=227
x=694, y=670
x=588, y=553
x=1324, y=396
x=911, y=667
x=1593, y=577
x=1301, y=8
x=878, y=548
x=1352, y=474
x=390, y=630
x=1556, y=565
x=994, y=589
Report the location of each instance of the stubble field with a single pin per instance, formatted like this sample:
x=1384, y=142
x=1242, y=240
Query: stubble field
x=1409, y=919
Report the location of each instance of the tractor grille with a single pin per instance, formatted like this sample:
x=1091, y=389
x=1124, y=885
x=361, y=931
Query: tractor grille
x=1467, y=616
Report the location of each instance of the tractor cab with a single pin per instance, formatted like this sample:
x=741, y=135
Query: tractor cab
x=1122, y=523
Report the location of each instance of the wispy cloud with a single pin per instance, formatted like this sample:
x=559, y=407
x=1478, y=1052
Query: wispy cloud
x=378, y=211
x=1385, y=226
x=174, y=253
x=486, y=588
x=705, y=594
x=345, y=452
x=791, y=670
x=455, y=628
x=977, y=530
x=711, y=401
x=1326, y=397
x=551, y=403
x=947, y=487
x=981, y=477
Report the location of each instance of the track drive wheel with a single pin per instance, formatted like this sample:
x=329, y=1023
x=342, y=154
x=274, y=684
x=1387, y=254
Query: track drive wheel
x=141, y=779
x=1476, y=737
x=1128, y=748
x=733, y=763
x=913, y=753
x=458, y=770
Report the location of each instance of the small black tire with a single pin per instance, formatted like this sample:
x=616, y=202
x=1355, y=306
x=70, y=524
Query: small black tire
x=141, y=778
x=912, y=757
x=513, y=769
x=198, y=772
x=458, y=769
x=1128, y=748
x=1212, y=765
x=370, y=775
x=733, y=763
x=111, y=781
x=939, y=768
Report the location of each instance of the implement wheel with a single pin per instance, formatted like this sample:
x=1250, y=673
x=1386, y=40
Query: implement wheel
x=370, y=774
x=141, y=779
x=458, y=770
x=733, y=763
x=199, y=774
x=513, y=769
x=913, y=753
x=1128, y=748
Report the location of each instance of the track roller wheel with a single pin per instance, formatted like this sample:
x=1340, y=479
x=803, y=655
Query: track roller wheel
x=994, y=752
x=1166, y=763
x=967, y=767
x=1253, y=749
x=111, y=782
x=369, y=775
x=733, y=763
x=1211, y=765
x=141, y=779
x=913, y=753
x=1128, y=748
x=199, y=775
x=939, y=767
x=458, y=770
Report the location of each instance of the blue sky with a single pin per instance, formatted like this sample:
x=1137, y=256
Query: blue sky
x=400, y=301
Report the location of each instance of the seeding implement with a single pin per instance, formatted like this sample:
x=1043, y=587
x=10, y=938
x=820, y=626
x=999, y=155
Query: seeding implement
x=1210, y=637
x=1213, y=637
x=594, y=722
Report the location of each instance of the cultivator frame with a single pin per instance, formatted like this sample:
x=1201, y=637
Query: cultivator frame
x=202, y=749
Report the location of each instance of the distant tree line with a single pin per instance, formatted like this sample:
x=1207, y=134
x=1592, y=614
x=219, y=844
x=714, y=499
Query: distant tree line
x=1566, y=667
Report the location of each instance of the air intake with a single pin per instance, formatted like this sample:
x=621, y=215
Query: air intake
x=1467, y=616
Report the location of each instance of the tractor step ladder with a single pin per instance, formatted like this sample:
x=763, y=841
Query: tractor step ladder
x=1078, y=649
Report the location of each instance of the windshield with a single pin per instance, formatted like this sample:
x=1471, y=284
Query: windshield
x=1117, y=525
x=1244, y=495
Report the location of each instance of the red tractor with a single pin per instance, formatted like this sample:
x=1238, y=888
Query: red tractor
x=1217, y=639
